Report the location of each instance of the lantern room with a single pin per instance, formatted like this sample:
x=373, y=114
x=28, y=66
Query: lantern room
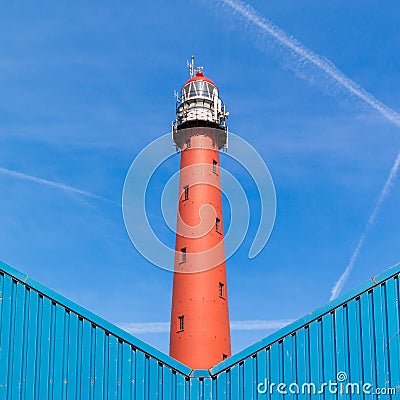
x=199, y=105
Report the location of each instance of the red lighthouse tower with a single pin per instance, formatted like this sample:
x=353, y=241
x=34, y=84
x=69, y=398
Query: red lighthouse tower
x=200, y=334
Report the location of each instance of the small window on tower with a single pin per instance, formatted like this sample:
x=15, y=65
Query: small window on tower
x=215, y=165
x=181, y=323
x=188, y=143
x=186, y=192
x=183, y=255
x=221, y=290
x=218, y=225
x=224, y=356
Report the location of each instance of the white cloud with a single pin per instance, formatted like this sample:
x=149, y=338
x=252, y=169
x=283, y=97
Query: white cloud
x=246, y=325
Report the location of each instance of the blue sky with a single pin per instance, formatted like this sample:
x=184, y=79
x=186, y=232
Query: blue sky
x=85, y=86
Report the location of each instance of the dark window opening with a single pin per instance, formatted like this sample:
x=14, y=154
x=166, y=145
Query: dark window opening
x=221, y=290
x=224, y=356
x=215, y=164
x=181, y=323
x=183, y=255
x=218, y=225
x=186, y=192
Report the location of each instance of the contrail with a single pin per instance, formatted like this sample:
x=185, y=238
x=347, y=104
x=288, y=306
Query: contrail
x=336, y=290
x=162, y=327
x=301, y=58
x=57, y=185
x=302, y=53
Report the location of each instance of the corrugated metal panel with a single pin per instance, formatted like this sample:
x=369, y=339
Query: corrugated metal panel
x=357, y=335
x=50, y=348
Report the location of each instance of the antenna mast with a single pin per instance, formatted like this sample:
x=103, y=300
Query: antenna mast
x=191, y=66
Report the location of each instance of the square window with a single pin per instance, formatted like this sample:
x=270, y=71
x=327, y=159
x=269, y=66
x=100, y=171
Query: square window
x=215, y=164
x=186, y=192
x=218, y=225
x=183, y=255
x=181, y=323
x=221, y=290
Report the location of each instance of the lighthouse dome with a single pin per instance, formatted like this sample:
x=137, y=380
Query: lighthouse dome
x=199, y=85
x=199, y=103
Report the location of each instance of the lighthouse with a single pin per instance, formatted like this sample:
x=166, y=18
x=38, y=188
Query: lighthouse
x=199, y=330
